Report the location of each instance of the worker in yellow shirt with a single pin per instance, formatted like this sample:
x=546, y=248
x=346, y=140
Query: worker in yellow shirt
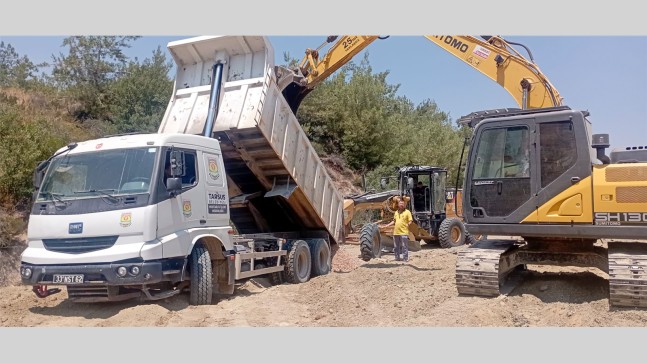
x=402, y=219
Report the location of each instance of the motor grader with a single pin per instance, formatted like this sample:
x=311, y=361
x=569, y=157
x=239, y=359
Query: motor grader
x=432, y=205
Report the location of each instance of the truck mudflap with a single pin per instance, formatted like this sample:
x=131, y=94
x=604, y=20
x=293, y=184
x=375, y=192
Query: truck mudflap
x=627, y=275
x=42, y=291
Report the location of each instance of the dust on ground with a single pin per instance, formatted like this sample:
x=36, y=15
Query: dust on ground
x=380, y=292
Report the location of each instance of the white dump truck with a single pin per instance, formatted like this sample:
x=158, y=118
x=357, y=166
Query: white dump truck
x=229, y=188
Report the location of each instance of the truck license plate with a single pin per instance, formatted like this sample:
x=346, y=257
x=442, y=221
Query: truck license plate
x=68, y=279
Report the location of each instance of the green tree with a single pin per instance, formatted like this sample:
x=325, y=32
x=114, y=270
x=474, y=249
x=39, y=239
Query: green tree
x=366, y=106
x=141, y=94
x=348, y=114
x=14, y=69
x=25, y=142
x=357, y=113
x=87, y=71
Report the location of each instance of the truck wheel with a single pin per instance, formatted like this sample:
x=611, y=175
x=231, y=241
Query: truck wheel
x=201, y=288
x=320, y=258
x=370, y=242
x=451, y=233
x=299, y=263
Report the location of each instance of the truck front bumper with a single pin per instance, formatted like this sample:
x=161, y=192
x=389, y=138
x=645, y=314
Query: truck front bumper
x=137, y=273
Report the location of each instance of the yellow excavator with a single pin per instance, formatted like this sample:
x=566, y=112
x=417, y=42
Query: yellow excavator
x=541, y=175
x=491, y=55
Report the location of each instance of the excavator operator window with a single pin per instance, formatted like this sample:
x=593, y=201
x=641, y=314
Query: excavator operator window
x=503, y=153
x=501, y=177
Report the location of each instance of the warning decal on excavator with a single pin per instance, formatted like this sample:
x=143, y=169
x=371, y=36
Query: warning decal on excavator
x=481, y=52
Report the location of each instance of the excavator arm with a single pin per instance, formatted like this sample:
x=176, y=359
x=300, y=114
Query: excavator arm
x=493, y=56
x=312, y=69
x=497, y=60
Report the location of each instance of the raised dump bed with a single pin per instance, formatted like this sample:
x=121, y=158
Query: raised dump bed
x=277, y=183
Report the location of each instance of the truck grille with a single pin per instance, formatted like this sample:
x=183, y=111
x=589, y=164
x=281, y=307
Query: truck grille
x=79, y=245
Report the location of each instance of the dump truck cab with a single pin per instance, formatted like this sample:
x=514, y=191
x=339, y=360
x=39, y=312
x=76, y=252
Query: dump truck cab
x=111, y=208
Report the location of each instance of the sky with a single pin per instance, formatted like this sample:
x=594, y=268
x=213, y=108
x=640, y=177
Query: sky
x=605, y=75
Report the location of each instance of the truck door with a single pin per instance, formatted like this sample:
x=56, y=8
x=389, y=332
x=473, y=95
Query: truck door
x=187, y=209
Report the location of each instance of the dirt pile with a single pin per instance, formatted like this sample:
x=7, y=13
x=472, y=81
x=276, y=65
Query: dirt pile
x=343, y=177
x=380, y=292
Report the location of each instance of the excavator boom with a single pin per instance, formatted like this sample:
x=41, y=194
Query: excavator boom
x=493, y=56
x=497, y=60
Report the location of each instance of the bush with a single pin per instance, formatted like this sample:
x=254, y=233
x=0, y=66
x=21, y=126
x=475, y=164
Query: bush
x=10, y=228
x=25, y=142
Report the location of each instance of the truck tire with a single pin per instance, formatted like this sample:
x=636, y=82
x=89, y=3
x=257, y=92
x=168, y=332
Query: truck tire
x=299, y=263
x=451, y=233
x=201, y=287
x=320, y=258
x=370, y=242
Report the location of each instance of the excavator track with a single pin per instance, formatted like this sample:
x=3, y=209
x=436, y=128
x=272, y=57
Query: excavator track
x=478, y=268
x=628, y=274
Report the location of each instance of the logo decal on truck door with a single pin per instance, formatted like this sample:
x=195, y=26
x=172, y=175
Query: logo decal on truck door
x=126, y=219
x=186, y=208
x=213, y=169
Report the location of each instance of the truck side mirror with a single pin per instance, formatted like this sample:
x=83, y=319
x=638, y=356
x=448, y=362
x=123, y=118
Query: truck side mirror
x=39, y=174
x=410, y=182
x=177, y=163
x=173, y=184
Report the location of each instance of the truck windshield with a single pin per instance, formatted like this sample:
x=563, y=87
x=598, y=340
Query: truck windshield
x=99, y=173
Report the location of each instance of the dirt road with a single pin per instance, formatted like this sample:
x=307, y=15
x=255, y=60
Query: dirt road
x=378, y=293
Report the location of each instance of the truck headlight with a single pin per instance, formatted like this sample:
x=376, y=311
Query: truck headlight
x=134, y=270
x=122, y=271
x=26, y=272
